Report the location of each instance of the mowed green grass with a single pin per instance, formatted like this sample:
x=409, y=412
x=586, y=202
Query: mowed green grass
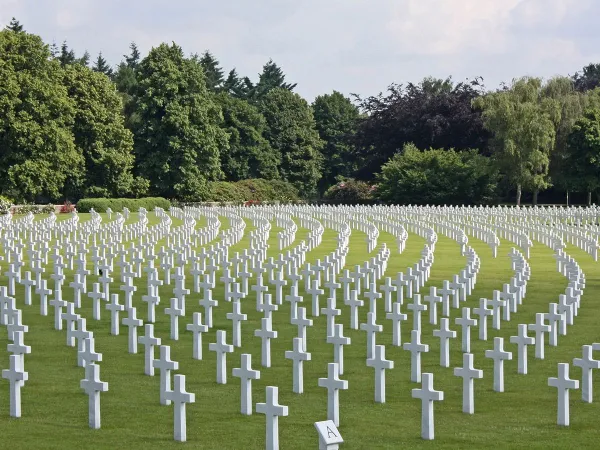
x=55, y=409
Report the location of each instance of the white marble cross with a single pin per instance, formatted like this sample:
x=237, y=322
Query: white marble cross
x=522, y=341
x=354, y=303
x=115, y=308
x=380, y=364
x=149, y=341
x=272, y=410
x=483, y=312
x=466, y=323
x=563, y=384
x=445, y=334
x=165, y=365
x=371, y=328
x=587, y=364
x=298, y=355
x=174, y=312
x=266, y=333
x=433, y=299
x=417, y=308
x=333, y=384
x=197, y=328
x=96, y=295
x=132, y=322
x=16, y=376
x=415, y=347
x=338, y=340
x=539, y=328
x=180, y=398
x=468, y=373
x=92, y=386
x=427, y=395
x=221, y=348
x=331, y=312
x=396, y=316
x=498, y=355
x=246, y=374
x=236, y=318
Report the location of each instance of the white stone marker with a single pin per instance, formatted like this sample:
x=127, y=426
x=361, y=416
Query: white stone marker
x=208, y=304
x=43, y=292
x=415, y=348
x=483, y=312
x=433, y=299
x=197, y=328
x=266, y=334
x=58, y=304
x=92, y=386
x=302, y=323
x=149, y=341
x=88, y=354
x=18, y=348
x=417, y=308
x=179, y=397
x=468, y=373
x=539, y=328
x=165, y=365
x=427, y=395
x=28, y=282
x=587, y=364
x=329, y=436
x=115, y=308
x=445, y=334
x=522, y=341
x=298, y=356
x=272, y=410
x=96, y=295
x=380, y=364
x=396, y=316
x=333, y=384
x=354, y=303
x=132, y=322
x=221, y=348
x=174, y=312
x=554, y=320
x=499, y=356
x=338, y=340
x=246, y=374
x=16, y=377
x=563, y=383
x=466, y=323
x=371, y=328
x=236, y=318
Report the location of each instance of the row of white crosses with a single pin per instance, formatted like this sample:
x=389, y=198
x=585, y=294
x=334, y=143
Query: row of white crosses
x=377, y=361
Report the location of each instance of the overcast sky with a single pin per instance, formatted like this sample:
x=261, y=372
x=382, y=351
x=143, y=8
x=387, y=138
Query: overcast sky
x=358, y=46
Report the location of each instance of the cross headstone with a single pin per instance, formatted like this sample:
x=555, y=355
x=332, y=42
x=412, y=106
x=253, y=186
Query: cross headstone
x=92, y=386
x=380, y=364
x=427, y=395
x=468, y=373
x=221, y=348
x=298, y=355
x=333, y=384
x=246, y=374
x=272, y=410
x=498, y=355
x=180, y=398
x=563, y=384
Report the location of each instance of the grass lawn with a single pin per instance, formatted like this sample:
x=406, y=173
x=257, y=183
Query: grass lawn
x=55, y=409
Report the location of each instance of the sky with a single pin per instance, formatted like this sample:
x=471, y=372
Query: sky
x=352, y=46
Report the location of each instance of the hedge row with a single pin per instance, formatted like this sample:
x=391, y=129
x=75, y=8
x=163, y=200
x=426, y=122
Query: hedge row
x=252, y=190
x=100, y=205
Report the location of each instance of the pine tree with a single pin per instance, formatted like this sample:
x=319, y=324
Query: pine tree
x=85, y=59
x=233, y=85
x=15, y=26
x=133, y=59
x=212, y=71
x=102, y=66
x=272, y=77
x=66, y=56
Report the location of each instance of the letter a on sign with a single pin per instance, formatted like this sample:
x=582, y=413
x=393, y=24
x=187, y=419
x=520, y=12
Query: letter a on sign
x=329, y=436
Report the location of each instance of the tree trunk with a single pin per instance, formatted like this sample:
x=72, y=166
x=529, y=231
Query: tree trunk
x=589, y=198
x=567, y=198
x=535, y=197
x=518, y=195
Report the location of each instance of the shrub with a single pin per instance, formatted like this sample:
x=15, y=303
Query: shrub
x=5, y=204
x=223, y=191
x=100, y=205
x=47, y=209
x=438, y=177
x=350, y=192
x=67, y=207
x=251, y=190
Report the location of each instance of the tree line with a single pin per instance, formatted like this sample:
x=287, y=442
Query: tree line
x=170, y=125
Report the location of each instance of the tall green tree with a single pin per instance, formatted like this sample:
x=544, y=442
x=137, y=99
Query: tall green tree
x=85, y=59
x=588, y=79
x=271, y=77
x=213, y=73
x=336, y=119
x=102, y=66
x=521, y=121
x=66, y=55
x=583, y=158
x=100, y=135
x=36, y=116
x=291, y=131
x=178, y=137
x=249, y=154
x=434, y=113
x=125, y=78
x=133, y=59
x=234, y=85
x=15, y=26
